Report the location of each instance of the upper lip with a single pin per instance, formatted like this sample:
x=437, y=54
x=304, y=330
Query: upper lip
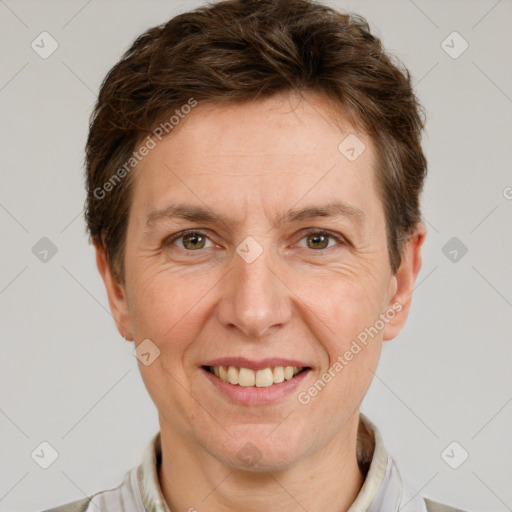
x=242, y=362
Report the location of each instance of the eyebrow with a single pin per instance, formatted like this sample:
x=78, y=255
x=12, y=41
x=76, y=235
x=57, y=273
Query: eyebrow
x=193, y=213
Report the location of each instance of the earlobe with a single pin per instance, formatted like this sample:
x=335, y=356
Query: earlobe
x=115, y=292
x=403, y=286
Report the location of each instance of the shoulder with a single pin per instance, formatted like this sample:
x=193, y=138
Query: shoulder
x=126, y=496
x=74, y=506
x=434, y=506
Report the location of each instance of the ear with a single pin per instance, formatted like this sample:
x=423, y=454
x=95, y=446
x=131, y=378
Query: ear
x=116, y=293
x=402, y=283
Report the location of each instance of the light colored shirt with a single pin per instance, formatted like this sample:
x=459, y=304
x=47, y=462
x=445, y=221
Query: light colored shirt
x=384, y=488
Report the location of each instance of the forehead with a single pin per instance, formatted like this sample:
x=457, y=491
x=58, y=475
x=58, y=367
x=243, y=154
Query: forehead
x=264, y=155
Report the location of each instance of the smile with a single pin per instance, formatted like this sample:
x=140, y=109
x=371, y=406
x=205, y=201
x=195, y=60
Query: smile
x=262, y=378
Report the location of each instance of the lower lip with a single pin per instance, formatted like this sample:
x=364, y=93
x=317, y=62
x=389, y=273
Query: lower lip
x=250, y=395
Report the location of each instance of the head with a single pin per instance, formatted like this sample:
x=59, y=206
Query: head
x=227, y=122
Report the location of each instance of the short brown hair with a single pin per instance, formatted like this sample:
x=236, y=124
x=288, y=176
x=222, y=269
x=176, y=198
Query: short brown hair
x=245, y=50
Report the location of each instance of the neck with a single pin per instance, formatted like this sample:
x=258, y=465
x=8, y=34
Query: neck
x=191, y=479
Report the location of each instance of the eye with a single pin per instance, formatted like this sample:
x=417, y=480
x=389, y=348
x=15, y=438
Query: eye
x=320, y=239
x=192, y=240
x=195, y=240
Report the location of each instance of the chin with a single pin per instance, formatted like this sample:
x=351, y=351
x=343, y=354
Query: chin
x=262, y=448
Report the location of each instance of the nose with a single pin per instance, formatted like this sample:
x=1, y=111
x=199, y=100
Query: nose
x=254, y=299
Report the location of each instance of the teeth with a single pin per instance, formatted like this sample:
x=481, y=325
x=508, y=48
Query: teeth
x=278, y=374
x=246, y=377
x=264, y=378
x=233, y=375
x=223, y=374
x=261, y=378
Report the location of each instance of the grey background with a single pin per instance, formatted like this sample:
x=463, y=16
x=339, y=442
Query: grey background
x=68, y=378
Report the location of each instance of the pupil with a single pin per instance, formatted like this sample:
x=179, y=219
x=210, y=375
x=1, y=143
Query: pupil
x=316, y=238
x=193, y=240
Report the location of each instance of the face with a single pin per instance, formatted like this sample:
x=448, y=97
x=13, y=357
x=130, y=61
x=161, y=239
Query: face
x=261, y=279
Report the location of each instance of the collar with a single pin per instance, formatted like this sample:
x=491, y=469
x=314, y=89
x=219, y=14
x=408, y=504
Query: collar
x=383, y=488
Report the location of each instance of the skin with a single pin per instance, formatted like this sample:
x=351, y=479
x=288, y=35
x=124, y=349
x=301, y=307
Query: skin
x=300, y=299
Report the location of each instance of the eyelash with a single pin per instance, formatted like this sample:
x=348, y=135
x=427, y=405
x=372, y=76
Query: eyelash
x=169, y=241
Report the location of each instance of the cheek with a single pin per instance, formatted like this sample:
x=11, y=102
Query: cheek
x=343, y=302
x=165, y=310
x=347, y=312
x=339, y=388
x=163, y=302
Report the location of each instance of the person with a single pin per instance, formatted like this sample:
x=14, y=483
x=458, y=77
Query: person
x=254, y=171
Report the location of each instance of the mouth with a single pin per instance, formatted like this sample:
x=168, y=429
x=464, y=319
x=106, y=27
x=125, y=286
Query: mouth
x=262, y=378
